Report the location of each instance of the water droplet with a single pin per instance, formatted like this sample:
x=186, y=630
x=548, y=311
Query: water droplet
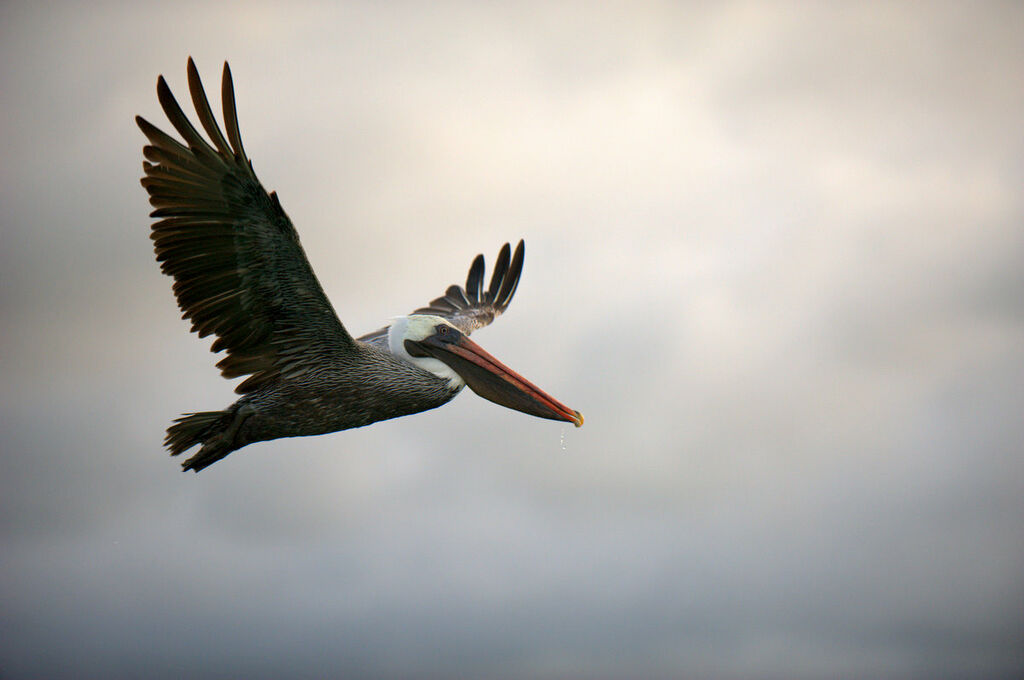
x=563, y=439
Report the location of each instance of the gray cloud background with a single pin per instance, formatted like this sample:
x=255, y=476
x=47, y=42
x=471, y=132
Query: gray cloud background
x=774, y=256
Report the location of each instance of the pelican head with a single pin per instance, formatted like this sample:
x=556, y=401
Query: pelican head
x=435, y=345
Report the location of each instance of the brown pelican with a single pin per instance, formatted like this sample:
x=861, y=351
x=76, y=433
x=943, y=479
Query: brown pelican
x=241, y=274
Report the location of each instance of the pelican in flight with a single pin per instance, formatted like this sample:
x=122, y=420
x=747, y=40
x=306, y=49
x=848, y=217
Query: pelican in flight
x=240, y=274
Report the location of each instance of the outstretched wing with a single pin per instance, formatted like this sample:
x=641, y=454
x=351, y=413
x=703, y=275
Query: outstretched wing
x=473, y=307
x=239, y=270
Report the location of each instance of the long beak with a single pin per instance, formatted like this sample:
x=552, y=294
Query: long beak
x=495, y=381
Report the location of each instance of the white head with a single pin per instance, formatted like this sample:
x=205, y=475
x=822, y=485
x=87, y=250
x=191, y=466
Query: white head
x=417, y=327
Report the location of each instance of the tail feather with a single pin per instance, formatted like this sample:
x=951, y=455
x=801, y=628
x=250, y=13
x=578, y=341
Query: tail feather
x=203, y=428
x=192, y=429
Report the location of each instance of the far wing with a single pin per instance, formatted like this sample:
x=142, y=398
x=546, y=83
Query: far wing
x=471, y=307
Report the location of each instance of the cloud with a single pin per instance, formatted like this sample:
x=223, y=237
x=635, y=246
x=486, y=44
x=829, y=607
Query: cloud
x=773, y=257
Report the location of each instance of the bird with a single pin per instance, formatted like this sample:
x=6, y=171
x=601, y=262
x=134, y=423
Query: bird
x=241, y=274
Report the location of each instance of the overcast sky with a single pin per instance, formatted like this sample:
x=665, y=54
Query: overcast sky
x=775, y=256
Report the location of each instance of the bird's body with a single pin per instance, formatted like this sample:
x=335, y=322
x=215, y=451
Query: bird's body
x=241, y=274
x=373, y=386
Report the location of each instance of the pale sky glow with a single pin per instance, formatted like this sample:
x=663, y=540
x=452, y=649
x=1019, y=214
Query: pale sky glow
x=774, y=256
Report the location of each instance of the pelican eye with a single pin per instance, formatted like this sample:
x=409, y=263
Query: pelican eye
x=446, y=333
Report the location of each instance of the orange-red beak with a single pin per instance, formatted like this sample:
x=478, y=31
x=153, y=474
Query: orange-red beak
x=490, y=378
